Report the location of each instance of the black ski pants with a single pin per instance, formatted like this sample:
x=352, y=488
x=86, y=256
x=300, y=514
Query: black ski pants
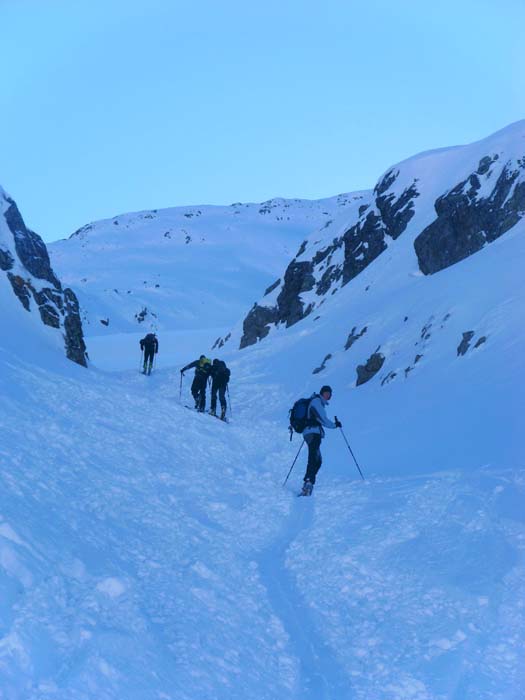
x=313, y=440
x=221, y=389
x=149, y=354
x=198, y=391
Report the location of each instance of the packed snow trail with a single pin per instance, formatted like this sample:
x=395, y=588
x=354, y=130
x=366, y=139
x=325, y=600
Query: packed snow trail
x=321, y=676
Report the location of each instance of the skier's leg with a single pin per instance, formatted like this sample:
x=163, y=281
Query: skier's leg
x=148, y=358
x=201, y=398
x=222, y=399
x=313, y=440
x=195, y=391
x=203, y=394
x=213, y=407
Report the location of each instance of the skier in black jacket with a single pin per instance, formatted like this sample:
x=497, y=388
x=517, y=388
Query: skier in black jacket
x=220, y=377
x=198, y=386
x=150, y=346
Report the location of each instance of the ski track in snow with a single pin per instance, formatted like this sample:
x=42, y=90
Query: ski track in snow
x=321, y=676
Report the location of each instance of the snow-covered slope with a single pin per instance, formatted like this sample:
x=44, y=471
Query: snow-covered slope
x=151, y=553
x=412, y=308
x=31, y=295
x=186, y=267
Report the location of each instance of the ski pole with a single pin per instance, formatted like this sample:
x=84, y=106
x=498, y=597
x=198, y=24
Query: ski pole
x=180, y=389
x=229, y=400
x=293, y=463
x=141, y=359
x=350, y=449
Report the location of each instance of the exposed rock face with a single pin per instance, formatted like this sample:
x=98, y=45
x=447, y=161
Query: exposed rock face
x=370, y=369
x=467, y=221
x=6, y=260
x=256, y=325
x=362, y=244
x=25, y=260
x=396, y=212
x=385, y=216
x=298, y=278
x=30, y=248
x=323, y=364
x=272, y=287
x=468, y=336
x=465, y=342
x=289, y=308
x=353, y=336
x=74, y=337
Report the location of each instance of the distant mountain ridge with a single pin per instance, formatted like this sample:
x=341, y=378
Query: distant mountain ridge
x=184, y=267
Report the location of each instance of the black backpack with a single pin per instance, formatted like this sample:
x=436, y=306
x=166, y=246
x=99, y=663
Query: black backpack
x=222, y=373
x=299, y=416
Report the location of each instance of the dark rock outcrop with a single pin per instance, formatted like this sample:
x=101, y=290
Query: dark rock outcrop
x=289, y=308
x=74, y=337
x=480, y=341
x=6, y=260
x=30, y=248
x=35, y=284
x=370, y=368
x=385, y=216
x=298, y=278
x=362, y=244
x=466, y=222
x=257, y=324
x=395, y=212
x=272, y=287
x=353, y=336
x=323, y=364
x=465, y=342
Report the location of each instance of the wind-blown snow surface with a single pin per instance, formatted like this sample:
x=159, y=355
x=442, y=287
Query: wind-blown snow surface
x=150, y=552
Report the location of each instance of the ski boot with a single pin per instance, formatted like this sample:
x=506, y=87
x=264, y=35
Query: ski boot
x=223, y=414
x=213, y=412
x=307, y=489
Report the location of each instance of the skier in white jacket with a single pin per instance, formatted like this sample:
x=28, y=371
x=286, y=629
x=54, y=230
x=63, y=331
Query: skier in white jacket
x=317, y=420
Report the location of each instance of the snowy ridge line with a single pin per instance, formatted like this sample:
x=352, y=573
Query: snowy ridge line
x=184, y=267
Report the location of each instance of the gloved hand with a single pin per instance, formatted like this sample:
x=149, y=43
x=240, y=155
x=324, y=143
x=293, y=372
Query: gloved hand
x=338, y=423
x=182, y=372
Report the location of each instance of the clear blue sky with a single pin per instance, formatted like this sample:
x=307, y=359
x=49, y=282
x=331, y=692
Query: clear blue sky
x=120, y=105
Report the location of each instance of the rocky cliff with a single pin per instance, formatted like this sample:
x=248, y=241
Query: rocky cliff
x=445, y=205
x=25, y=262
